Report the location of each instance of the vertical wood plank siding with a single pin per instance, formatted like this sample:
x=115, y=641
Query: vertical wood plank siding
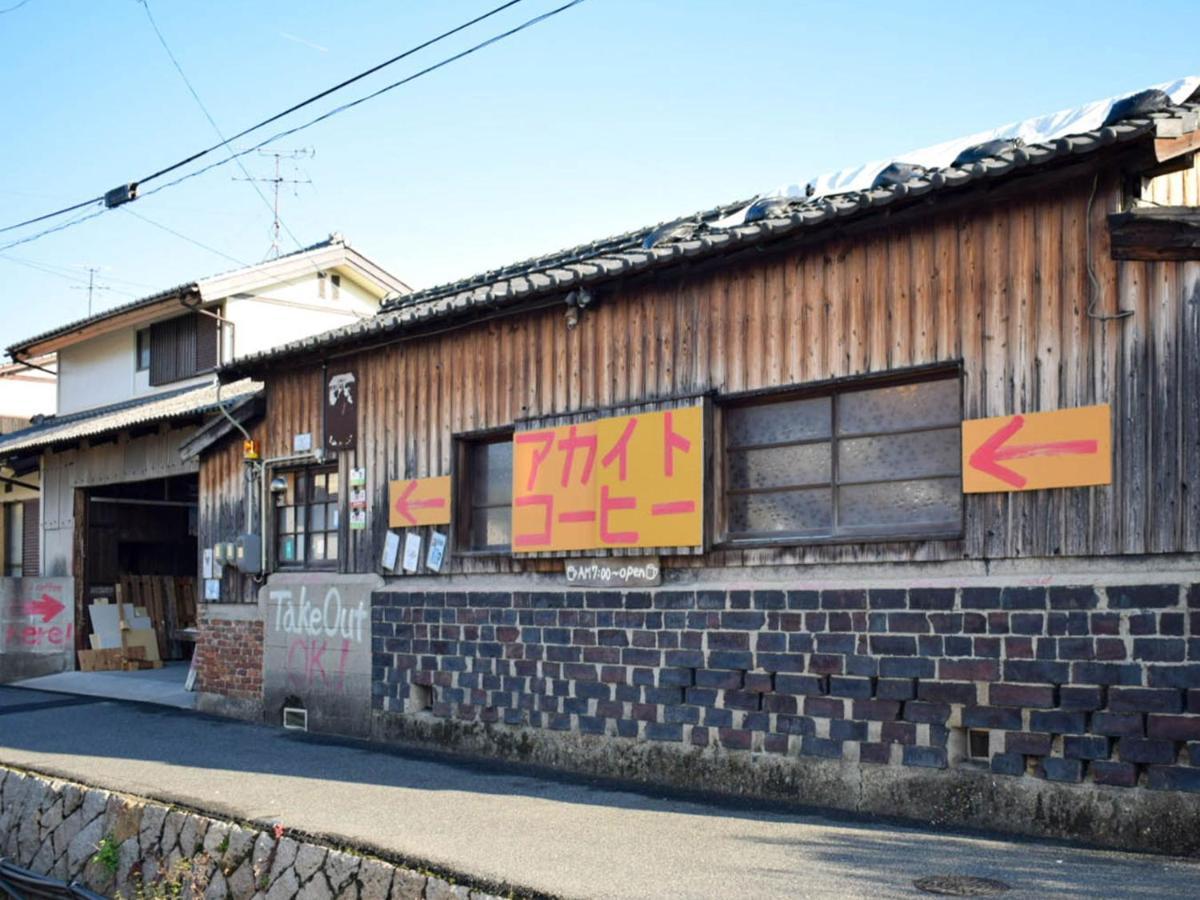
x=1002, y=287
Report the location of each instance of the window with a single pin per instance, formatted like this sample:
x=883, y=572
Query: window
x=182, y=347
x=306, y=520
x=872, y=461
x=143, y=349
x=486, y=501
x=14, y=533
x=335, y=285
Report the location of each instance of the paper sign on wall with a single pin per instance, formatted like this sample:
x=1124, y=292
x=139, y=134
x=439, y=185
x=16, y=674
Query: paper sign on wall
x=628, y=481
x=391, y=550
x=437, y=551
x=419, y=501
x=1064, y=448
x=412, y=551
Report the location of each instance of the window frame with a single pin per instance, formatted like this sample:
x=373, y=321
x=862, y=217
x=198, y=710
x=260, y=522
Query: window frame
x=833, y=388
x=463, y=490
x=141, y=345
x=304, y=564
x=13, y=554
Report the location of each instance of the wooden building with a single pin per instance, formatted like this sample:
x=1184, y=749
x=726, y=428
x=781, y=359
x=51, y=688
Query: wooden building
x=844, y=597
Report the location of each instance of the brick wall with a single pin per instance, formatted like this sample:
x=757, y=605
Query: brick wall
x=1066, y=684
x=230, y=658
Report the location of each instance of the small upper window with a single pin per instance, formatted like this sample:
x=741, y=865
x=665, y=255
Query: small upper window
x=143, y=349
x=306, y=520
x=858, y=461
x=335, y=286
x=486, y=501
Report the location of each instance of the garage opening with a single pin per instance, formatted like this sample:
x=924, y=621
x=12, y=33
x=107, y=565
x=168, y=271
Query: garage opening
x=137, y=550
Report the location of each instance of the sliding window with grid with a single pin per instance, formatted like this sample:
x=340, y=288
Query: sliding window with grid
x=306, y=520
x=879, y=461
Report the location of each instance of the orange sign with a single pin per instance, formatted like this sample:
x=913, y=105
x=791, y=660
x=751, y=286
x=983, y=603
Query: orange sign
x=628, y=481
x=419, y=501
x=1065, y=448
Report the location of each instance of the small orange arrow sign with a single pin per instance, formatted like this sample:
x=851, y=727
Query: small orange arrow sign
x=1064, y=448
x=419, y=501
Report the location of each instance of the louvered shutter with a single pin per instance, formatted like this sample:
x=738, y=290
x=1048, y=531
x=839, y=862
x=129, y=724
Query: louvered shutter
x=185, y=346
x=163, y=366
x=31, y=538
x=207, y=337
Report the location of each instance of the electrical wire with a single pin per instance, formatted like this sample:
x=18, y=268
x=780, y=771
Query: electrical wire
x=529, y=23
x=184, y=237
x=14, y=7
x=336, y=87
x=336, y=110
x=46, y=270
x=211, y=121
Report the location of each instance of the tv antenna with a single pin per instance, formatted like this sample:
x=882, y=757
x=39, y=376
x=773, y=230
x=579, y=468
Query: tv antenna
x=276, y=181
x=92, y=287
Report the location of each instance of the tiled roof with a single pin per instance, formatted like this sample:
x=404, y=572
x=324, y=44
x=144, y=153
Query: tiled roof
x=195, y=287
x=705, y=234
x=187, y=401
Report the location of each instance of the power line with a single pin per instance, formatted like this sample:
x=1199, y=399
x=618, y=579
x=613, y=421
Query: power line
x=529, y=23
x=211, y=121
x=14, y=7
x=184, y=237
x=193, y=157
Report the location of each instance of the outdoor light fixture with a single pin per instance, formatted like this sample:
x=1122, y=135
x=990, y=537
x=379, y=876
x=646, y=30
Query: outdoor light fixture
x=278, y=484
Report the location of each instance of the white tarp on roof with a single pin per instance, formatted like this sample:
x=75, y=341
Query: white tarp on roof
x=1039, y=130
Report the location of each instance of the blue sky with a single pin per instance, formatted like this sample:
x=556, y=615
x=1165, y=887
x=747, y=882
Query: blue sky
x=613, y=115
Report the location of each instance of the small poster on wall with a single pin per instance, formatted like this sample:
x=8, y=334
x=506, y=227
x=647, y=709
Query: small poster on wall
x=437, y=551
x=212, y=589
x=412, y=552
x=391, y=551
x=358, y=519
x=358, y=477
x=358, y=498
x=341, y=412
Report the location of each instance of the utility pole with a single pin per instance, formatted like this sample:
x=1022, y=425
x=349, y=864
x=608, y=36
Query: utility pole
x=276, y=181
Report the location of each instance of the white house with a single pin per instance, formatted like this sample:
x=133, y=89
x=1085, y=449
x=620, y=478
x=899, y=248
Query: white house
x=117, y=498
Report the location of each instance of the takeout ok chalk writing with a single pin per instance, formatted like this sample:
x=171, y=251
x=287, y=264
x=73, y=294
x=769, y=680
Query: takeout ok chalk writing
x=331, y=617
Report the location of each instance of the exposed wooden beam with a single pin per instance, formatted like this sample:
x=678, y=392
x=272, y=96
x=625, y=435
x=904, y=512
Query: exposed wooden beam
x=1157, y=233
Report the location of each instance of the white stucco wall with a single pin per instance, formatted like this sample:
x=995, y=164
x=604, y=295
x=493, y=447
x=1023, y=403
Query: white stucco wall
x=292, y=310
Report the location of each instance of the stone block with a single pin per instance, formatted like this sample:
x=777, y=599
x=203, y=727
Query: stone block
x=998, y=717
x=1150, y=700
x=926, y=757
x=1053, y=768
x=1085, y=747
x=1058, y=721
x=1144, y=751
x=375, y=880
x=1118, y=724
x=1173, y=778
x=1027, y=743
x=408, y=885
x=1008, y=764
x=309, y=858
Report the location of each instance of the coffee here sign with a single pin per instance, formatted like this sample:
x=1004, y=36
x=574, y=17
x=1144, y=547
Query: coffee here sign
x=625, y=481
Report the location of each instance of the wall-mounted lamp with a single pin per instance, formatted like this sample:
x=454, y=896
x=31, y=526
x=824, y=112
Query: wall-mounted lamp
x=279, y=484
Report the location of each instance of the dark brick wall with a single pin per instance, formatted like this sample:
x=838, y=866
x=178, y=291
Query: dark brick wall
x=1069, y=684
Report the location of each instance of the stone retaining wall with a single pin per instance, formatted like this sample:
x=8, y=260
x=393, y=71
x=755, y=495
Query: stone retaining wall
x=123, y=846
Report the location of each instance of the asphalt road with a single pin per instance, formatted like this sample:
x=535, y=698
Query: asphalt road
x=563, y=836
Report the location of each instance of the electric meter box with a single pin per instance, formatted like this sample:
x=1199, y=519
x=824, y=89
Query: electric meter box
x=248, y=554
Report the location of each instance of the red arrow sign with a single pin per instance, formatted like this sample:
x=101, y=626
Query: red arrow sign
x=404, y=506
x=995, y=450
x=47, y=607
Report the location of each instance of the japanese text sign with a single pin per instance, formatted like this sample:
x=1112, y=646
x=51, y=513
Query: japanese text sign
x=1064, y=448
x=628, y=481
x=419, y=501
